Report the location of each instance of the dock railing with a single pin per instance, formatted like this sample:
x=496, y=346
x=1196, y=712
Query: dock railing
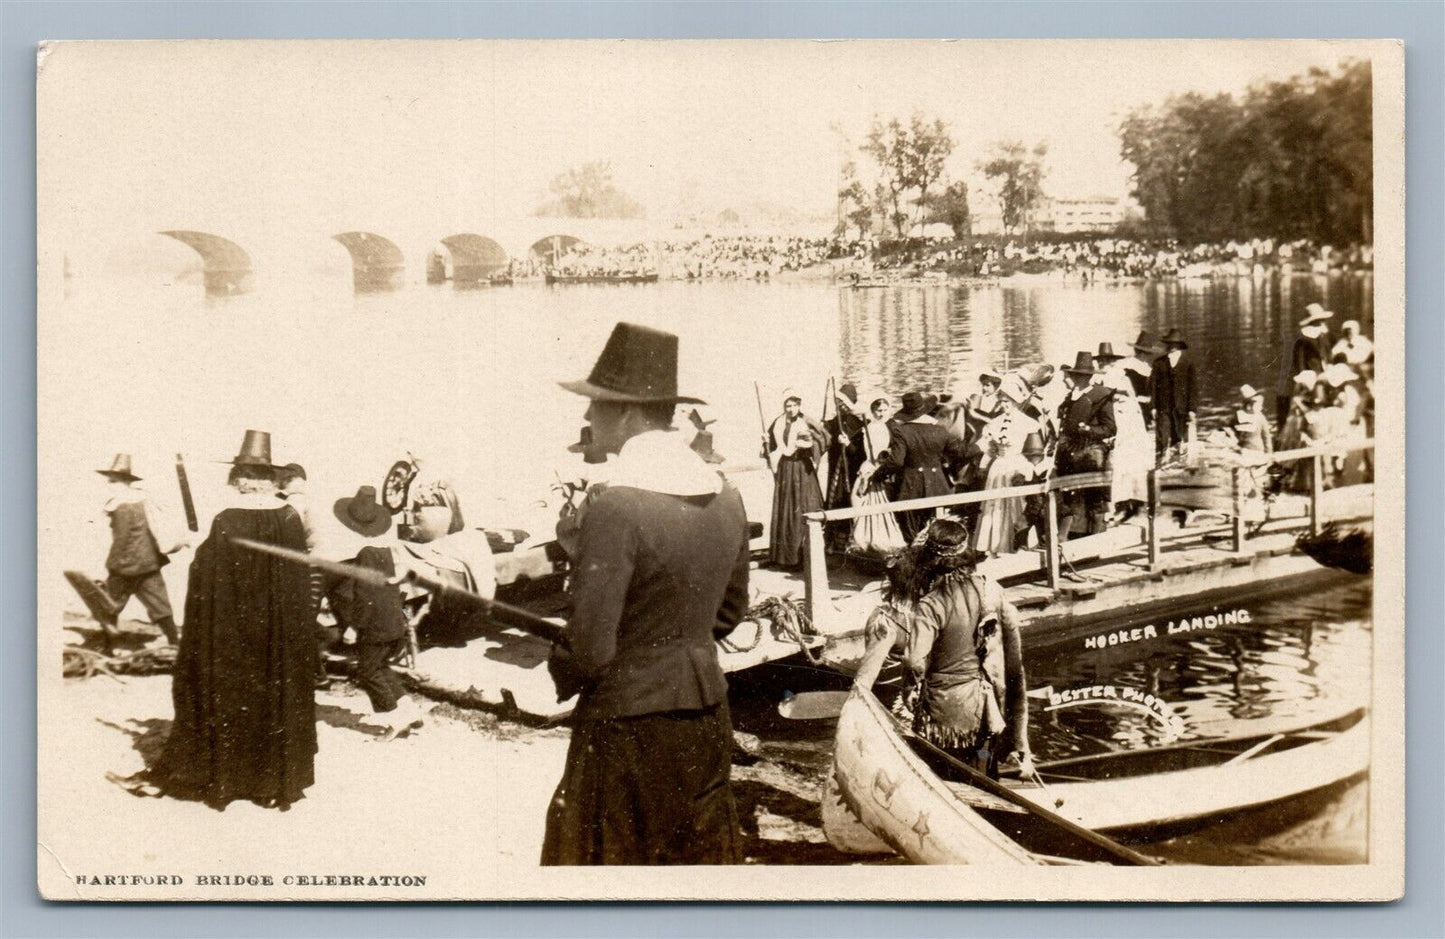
x=816, y=571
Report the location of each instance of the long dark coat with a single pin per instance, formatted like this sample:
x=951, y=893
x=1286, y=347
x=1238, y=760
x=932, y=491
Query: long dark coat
x=918, y=455
x=1173, y=394
x=245, y=711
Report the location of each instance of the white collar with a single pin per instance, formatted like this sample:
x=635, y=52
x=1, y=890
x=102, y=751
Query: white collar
x=924, y=419
x=658, y=461
x=124, y=498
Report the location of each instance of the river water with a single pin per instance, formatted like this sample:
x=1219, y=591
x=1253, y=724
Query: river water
x=466, y=380
x=1297, y=659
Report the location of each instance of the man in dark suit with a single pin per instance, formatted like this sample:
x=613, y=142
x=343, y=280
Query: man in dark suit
x=1173, y=396
x=660, y=572
x=1086, y=432
x=917, y=455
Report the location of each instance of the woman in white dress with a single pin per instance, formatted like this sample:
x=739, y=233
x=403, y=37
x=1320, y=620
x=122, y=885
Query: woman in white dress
x=874, y=534
x=1000, y=520
x=1132, y=457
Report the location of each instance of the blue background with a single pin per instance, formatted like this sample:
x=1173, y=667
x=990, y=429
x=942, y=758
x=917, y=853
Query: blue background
x=1420, y=24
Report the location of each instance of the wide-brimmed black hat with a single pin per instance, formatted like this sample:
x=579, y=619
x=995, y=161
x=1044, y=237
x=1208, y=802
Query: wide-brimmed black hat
x=1034, y=445
x=119, y=469
x=1174, y=338
x=362, y=513
x=1148, y=342
x=255, y=451
x=915, y=404
x=1106, y=353
x=849, y=392
x=1083, y=365
x=638, y=365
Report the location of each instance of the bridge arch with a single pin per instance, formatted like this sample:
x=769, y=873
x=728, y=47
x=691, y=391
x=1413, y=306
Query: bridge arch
x=225, y=265
x=474, y=258
x=377, y=264
x=547, y=249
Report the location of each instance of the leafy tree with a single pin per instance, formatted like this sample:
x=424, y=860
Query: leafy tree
x=587, y=191
x=951, y=208
x=1290, y=159
x=909, y=159
x=1019, y=173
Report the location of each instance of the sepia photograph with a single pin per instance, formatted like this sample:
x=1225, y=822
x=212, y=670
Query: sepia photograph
x=942, y=469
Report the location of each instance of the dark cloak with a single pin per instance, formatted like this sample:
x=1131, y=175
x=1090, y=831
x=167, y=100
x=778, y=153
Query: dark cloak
x=245, y=724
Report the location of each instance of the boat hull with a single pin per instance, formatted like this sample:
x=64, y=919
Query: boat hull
x=885, y=789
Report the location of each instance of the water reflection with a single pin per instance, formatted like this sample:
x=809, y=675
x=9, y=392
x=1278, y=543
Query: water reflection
x=898, y=338
x=1295, y=659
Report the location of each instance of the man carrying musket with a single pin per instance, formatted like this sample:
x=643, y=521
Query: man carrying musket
x=660, y=570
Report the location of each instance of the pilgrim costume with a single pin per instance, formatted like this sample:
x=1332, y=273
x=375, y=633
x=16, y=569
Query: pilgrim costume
x=795, y=441
x=1173, y=394
x=245, y=714
x=1086, y=431
x=660, y=572
x=133, y=564
x=916, y=455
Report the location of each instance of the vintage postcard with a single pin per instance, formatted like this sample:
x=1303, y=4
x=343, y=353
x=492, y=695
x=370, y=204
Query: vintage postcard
x=937, y=470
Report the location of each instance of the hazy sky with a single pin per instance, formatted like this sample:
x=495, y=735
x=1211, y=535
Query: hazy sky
x=169, y=133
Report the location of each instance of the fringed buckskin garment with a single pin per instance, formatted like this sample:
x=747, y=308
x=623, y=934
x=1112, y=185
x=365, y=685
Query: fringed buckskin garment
x=661, y=571
x=966, y=656
x=245, y=714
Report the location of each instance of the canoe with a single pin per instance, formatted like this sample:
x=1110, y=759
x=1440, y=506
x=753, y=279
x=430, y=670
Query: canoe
x=601, y=279
x=1150, y=793
x=883, y=795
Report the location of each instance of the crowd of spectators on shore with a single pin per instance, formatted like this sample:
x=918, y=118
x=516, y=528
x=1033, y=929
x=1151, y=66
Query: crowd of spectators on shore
x=1127, y=258
x=761, y=257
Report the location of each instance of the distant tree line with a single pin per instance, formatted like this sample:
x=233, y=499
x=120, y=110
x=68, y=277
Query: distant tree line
x=587, y=191
x=903, y=183
x=1289, y=159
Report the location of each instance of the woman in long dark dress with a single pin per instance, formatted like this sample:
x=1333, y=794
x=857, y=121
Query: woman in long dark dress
x=795, y=442
x=245, y=713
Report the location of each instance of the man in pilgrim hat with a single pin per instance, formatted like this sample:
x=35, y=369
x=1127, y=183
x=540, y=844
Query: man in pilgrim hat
x=136, y=553
x=1086, y=431
x=1172, y=392
x=917, y=455
x=660, y=572
x=374, y=613
x=242, y=686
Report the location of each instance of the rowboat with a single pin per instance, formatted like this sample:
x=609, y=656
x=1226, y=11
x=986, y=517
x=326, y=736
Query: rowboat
x=883, y=796
x=601, y=279
x=887, y=794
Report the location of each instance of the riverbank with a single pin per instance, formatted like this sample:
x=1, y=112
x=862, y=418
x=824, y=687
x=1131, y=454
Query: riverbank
x=466, y=785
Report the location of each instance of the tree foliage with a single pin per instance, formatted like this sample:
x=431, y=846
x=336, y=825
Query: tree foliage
x=1289, y=159
x=587, y=191
x=908, y=160
x=1019, y=173
x=950, y=206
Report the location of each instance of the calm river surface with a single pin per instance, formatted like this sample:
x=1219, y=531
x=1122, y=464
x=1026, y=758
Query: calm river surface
x=466, y=380
x=1299, y=658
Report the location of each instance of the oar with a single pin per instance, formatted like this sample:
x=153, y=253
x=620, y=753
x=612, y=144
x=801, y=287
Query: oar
x=994, y=787
x=827, y=705
x=503, y=613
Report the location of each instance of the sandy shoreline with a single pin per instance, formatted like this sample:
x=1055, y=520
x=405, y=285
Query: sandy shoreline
x=467, y=784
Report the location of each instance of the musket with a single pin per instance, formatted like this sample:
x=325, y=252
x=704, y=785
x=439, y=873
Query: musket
x=186, y=502
x=503, y=613
x=762, y=420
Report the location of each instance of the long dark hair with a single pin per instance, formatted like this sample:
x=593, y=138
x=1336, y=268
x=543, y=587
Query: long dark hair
x=942, y=550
